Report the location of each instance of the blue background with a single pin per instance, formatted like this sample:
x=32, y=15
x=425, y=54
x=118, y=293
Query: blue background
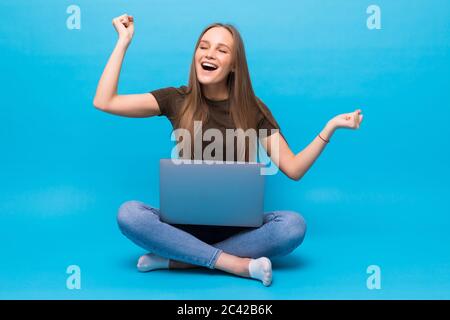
x=378, y=195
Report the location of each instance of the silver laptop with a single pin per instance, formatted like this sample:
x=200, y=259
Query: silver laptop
x=220, y=194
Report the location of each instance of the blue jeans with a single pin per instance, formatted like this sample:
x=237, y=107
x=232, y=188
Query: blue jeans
x=280, y=234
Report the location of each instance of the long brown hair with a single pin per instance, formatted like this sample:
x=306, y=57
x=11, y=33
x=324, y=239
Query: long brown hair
x=244, y=104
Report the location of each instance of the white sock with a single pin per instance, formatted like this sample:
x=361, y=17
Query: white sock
x=151, y=261
x=261, y=269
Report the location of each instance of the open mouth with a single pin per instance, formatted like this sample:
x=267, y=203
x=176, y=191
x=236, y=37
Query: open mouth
x=209, y=66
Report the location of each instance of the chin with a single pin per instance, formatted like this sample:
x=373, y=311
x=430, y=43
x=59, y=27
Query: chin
x=205, y=80
x=208, y=79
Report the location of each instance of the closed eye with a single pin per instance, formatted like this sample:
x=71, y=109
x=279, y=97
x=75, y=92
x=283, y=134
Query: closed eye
x=223, y=51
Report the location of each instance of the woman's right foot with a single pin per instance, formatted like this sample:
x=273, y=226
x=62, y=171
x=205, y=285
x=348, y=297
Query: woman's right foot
x=261, y=269
x=151, y=261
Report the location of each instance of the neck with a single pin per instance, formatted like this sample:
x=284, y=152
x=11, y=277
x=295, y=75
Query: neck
x=215, y=91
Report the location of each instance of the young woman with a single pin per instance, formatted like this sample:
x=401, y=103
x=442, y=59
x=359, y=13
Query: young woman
x=220, y=95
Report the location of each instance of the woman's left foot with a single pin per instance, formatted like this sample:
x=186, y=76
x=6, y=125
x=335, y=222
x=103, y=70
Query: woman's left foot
x=151, y=261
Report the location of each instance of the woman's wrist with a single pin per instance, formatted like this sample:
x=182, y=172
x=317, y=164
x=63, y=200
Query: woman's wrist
x=123, y=43
x=327, y=131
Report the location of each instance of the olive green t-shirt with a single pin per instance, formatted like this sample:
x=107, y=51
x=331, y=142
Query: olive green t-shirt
x=170, y=101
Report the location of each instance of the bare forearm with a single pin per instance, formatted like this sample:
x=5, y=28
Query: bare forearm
x=107, y=86
x=302, y=161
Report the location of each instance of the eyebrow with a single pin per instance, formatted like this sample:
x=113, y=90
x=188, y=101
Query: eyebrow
x=220, y=44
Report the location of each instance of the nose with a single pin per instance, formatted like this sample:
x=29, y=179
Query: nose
x=210, y=54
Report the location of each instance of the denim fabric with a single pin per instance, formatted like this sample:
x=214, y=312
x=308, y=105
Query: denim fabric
x=280, y=234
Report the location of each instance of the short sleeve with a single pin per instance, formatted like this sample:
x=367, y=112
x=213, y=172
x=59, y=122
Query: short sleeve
x=265, y=123
x=168, y=99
